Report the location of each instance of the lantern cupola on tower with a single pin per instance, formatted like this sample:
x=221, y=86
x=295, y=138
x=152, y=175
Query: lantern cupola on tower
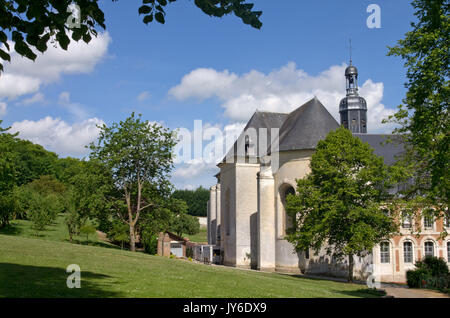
x=353, y=108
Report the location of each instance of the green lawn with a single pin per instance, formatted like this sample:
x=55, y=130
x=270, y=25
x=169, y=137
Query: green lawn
x=200, y=237
x=57, y=231
x=32, y=267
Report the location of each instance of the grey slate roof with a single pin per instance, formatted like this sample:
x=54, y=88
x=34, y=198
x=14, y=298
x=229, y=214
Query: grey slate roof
x=258, y=120
x=386, y=146
x=305, y=126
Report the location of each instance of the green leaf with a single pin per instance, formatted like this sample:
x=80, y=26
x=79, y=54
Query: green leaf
x=5, y=56
x=160, y=17
x=145, y=10
x=148, y=18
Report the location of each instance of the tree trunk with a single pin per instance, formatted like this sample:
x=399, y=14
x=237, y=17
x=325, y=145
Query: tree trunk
x=132, y=239
x=350, y=268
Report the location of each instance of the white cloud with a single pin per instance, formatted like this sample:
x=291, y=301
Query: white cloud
x=23, y=76
x=3, y=108
x=143, y=96
x=76, y=109
x=202, y=169
x=35, y=99
x=57, y=135
x=281, y=90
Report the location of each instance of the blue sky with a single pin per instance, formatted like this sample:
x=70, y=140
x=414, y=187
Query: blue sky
x=197, y=67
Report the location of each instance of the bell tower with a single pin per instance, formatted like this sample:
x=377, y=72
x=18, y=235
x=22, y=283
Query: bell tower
x=353, y=108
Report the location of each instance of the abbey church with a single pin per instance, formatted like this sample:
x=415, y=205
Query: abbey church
x=247, y=221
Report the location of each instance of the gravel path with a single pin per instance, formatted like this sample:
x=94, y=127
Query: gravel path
x=402, y=292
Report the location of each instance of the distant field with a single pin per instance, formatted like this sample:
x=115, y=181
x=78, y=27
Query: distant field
x=200, y=237
x=36, y=268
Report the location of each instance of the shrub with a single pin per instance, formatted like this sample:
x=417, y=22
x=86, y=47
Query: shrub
x=150, y=242
x=437, y=266
x=438, y=282
x=120, y=233
x=417, y=278
x=431, y=272
x=87, y=230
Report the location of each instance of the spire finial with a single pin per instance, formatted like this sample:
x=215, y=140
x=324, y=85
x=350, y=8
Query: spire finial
x=350, y=51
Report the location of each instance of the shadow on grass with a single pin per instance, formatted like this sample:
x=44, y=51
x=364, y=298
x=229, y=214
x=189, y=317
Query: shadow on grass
x=23, y=281
x=365, y=293
x=362, y=292
x=11, y=230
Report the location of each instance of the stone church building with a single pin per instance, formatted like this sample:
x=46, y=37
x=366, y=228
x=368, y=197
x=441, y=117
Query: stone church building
x=246, y=215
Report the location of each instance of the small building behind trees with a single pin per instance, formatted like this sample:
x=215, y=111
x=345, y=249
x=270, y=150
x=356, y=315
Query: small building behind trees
x=171, y=244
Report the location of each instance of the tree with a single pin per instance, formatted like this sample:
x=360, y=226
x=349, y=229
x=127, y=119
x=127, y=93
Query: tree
x=92, y=191
x=139, y=157
x=87, y=230
x=8, y=176
x=196, y=200
x=32, y=161
x=40, y=211
x=181, y=221
x=185, y=223
x=31, y=24
x=73, y=223
x=424, y=118
x=338, y=204
x=119, y=233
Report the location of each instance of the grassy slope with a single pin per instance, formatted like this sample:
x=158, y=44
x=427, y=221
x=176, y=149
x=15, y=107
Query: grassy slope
x=200, y=237
x=55, y=232
x=36, y=268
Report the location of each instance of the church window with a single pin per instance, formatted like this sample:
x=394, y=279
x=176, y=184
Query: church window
x=428, y=222
x=407, y=252
x=429, y=249
x=227, y=212
x=406, y=220
x=385, y=252
x=289, y=221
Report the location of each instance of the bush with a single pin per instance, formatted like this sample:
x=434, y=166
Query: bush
x=438, y=282
x=150, y=242
x=437, y=266
x=120, y=233
x=87, y=230
x=417, y=278
x=431, y=272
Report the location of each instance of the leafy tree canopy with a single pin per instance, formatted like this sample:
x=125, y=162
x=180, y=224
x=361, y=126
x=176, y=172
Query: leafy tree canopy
x=138, y=155
x=424, y=118
x=338, y=205
x=32, y=24
x=196, y=200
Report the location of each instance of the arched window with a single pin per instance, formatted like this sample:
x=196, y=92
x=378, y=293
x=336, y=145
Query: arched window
x=429, y=249
x=227, y=212
x=385, y=256
x=407, y=252
x=406, y=220
x=284, y=194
